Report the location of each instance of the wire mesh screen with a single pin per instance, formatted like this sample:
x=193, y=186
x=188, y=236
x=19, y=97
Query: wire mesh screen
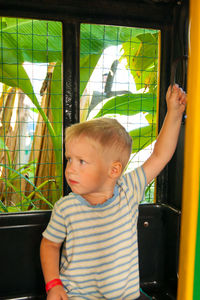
x=119, y=79
x=30, y=114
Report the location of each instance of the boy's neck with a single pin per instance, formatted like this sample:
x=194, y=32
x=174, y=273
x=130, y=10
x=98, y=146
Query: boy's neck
x=99, y=198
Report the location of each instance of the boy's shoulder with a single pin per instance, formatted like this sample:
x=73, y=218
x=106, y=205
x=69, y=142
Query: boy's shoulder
x=65, y=202
x=136, y=175
x=133, y=184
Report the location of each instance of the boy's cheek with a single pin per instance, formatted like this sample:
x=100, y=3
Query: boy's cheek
x=66, y=173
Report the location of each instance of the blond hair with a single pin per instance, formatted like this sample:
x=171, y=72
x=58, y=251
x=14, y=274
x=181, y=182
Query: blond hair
x=109, y=133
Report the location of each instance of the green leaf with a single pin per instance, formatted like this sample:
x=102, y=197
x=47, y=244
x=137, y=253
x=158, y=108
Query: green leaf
x=143, y=137
x=3, y=208
x=28, y=40
x=15, y=75
x=87, y=65
x=128, y=104
x=141, y=54
x=4, y=147
x=13, y=209
x=36, y=189
x=31, y=40
x=94, y=39
x=56, y=109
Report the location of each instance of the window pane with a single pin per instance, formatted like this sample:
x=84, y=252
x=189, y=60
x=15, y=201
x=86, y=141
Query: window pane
x=118, y=79
x=30, y=114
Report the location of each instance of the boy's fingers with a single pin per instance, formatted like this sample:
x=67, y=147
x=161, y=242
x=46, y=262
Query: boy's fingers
x=175, y=89
x=175, y=86
x=181, y=93
x=183, y=100
x=172, y=89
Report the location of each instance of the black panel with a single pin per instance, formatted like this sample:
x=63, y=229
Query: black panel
x=151, y=243
x=20, y=236
x=149, y=13
x=175, y=180
x=71, y=34
x=158, y=239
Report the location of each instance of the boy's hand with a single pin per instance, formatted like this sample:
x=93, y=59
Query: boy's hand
x=176, y=100
x=57, y=293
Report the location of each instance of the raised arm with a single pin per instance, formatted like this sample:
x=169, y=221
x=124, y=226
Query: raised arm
x=167, y=139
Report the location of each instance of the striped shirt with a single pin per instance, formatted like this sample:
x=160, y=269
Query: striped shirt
x=100, y=252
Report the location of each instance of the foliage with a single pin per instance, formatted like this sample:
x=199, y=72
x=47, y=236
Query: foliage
x=95, y=38
x=130, y=105
x=143, y=51
x=24, y=40
x=33, y=41
x=140, y=51
x=12, y=181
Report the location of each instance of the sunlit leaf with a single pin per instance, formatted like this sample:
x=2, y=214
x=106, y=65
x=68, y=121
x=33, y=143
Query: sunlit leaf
x=142, y=137
x=141, y=54
x=87, y=65
x=128, y=104
x=31, y=40
x=94, y=40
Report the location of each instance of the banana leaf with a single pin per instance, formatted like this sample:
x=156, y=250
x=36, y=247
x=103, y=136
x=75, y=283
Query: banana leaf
x=143, y=137
x=94, y=39
x=141, y=54
x=33, y=41
x=128, y=104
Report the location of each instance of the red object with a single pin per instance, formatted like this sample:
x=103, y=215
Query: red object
x=52, y=283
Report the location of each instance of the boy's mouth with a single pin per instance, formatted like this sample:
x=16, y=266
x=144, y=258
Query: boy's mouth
x=71, y=181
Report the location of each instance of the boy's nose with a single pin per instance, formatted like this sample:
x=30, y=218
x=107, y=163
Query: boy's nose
x=70, y=168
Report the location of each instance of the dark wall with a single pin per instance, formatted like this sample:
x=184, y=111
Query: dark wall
x=147, y=12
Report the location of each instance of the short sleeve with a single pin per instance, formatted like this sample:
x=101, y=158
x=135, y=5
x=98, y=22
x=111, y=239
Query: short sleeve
x=56, y=229
x=140, y=182
x=136, y=183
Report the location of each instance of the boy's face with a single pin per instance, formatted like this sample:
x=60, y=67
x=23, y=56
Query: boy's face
x=87, y=171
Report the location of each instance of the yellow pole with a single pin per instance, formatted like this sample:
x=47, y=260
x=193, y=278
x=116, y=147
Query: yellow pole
x=191, y=162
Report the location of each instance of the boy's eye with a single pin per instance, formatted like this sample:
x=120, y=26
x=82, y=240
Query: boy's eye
x=68, y=159
x=82, y=162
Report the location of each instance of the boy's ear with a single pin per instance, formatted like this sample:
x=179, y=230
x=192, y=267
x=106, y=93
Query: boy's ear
x=115, y=169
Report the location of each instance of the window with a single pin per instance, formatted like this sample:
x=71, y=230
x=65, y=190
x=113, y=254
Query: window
x=30, y=114
x=119, y=79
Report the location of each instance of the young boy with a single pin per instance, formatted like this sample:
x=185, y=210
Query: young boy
x=98, y=221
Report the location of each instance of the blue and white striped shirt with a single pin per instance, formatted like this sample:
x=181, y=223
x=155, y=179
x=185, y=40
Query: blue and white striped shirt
x=100, y=253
